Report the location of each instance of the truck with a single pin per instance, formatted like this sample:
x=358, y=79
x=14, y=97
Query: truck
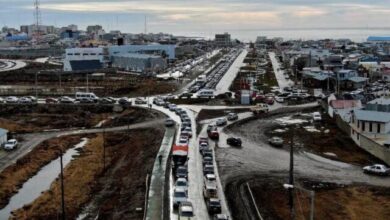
x=259, y=108
x=179, y=155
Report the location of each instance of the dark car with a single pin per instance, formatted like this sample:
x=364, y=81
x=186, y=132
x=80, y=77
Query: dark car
x=182, y=172
x=234, y=142
x=169, y=122
x=208, y=169
x=124, y=101
x=214, y=206
x=207, y=160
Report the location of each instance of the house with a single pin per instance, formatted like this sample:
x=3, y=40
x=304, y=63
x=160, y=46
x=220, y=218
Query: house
x=343, y=108
x=3, y=136
x=374, y=125
x=350, y=79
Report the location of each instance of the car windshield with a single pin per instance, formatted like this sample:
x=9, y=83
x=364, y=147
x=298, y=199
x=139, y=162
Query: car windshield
x=215, y=203
x=181, y=170
x=187, y=214
x=181, y=183
x=180, y=194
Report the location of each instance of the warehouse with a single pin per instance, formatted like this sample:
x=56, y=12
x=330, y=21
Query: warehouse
x=140, y=63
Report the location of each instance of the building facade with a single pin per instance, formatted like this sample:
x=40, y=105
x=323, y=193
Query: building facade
x=223, y=40
x=141, y=63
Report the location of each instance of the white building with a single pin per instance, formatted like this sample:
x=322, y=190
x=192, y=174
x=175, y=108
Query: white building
x=372, y=124
x=78, y=59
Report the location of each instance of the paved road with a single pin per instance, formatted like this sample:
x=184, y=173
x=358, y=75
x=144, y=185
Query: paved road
x=279, y=73
x=224, y=84
x=34, y=139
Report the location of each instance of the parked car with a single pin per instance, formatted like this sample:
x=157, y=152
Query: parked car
x=210, y=190
x=377, y=169
x=276, y=141
x=221, y=217
x=51, y=100
x=2, y=100
x=203, y=146
x=232, y=141
x=317, y=116
x=169, y=122
x=181, y=183
x=183, y=140
x=86, y=100
x=140, y=101
x=232, y=116
x=186, y=211
x=221, y=122
x=213, y=134
x=182, y=172
x=207, y=161
x=210, y=178
x=214, y=206
x=106, y=101
x=269, y=100
x=279, y=99
x=67, y=99
x=11, y=144
x=179, y=196
x=11, y=99
x=25, y=100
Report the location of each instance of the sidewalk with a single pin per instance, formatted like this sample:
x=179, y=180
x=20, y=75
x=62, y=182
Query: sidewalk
x=155, y=208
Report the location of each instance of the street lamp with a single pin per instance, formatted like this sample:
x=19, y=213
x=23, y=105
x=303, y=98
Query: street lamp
x=310, y=192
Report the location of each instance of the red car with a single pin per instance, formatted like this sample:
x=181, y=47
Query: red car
x=270, y=101
x=51, y=100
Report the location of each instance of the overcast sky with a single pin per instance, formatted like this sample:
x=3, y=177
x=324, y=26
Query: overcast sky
x=200, y=15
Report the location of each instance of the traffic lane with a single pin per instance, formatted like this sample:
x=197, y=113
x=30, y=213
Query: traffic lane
x=220, y=188
x=224, y=84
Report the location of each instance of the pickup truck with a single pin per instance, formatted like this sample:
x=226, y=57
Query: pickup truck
x=259, y=108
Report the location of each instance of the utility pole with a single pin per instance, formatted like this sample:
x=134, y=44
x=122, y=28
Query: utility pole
x=62, y=188
x=36, y=85
x=291, y=177
x=104, y=149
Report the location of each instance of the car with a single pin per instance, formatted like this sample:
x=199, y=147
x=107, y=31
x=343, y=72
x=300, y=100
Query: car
x=32, y=98
x=67, y=99
x=279, y=99
x=124, y=101
x=213, y=134
x=159, y=102
x=203, y=146
x=203, y=140
x=86, y=100
x=210, y=178
x=106, y=101
x=182, y=172
x=2, y=100
x=221, y=122
x=220, y=217
x=169, y=122
x=166, y=104
x=232, y=141
x=269, y=100
x=178, y=111
x=11, y=99
x=208, y=169
x=188, y=130
x=140, y=101
x=183, y=140
x=179, y=196
x=181, y=183
x=317, y=116
x=207, y=160
x=51, y=100
x=184, y=125
x=210, y=127
x=25, y=100
x=186, y=211
x=232, y=116
x=377, y=169
x=214, y=206
x=187, y=134
x=210, y=190
x=11, y=144
x=86, y=95
x=276, y=141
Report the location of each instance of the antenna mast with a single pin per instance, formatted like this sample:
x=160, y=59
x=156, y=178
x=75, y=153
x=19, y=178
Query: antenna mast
x=37, y=18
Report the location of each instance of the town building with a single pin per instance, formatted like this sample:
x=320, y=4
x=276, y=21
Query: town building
x=223, y=40
x=81, y=59
x=141, y=63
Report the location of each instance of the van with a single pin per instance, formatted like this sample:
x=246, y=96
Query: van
x=205, y=93
x=86, y=95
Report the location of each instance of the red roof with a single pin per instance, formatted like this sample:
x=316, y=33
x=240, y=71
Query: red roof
x=342, y=104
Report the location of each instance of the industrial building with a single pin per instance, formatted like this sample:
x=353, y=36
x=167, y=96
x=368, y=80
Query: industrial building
x=167, y=51
x=223, y=40
x=139, y=62
x=81, y=59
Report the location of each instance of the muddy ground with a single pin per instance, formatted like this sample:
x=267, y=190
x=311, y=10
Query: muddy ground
x=210, y=114
x=113, y=193
x=332, y=201
x=27, y=119
x=322, y=138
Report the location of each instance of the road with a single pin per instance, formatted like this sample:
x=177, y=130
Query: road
x=283, y=82
x=224, y=84
x=34, y=139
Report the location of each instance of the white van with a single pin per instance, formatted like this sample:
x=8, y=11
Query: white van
x=205, y=93
x=86, y=95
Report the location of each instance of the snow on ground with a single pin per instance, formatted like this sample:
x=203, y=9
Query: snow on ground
x=330, y=154
x=9, y=65
x=175, y=75
x=289, y=120
x=311, y=129
x=279, y=73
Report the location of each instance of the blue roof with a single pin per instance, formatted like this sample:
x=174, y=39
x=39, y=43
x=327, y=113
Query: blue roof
x=3, y=132
x=375, y=116
x=375, y=38
x=358, y=79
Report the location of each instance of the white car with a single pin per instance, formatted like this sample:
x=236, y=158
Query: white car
x=317, y=116
x=11, y=99
x=2, y=100
x=11, y=144
x=181, y=183
x=25, y=100
x=377, y=169
x=279, y=99
x=67, y=99
x=186, y=211
x=179, y=196
x=232, y=116
x=221, y=121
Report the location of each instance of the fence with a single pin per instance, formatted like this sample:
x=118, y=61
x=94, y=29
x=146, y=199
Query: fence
x=375, y=149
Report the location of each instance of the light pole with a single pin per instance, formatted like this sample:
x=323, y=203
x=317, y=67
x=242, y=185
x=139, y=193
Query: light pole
x=310, y=192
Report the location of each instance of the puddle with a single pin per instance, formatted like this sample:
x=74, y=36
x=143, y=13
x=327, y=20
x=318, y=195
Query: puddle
x=40, y=182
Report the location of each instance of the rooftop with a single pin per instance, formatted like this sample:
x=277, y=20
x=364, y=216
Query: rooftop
x=374, y=116
x=136, y=55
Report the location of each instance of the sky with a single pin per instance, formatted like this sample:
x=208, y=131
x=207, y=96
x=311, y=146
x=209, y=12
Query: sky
x=180, y=16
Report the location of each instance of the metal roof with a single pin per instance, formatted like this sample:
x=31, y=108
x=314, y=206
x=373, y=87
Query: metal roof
x=374, y=116
x=358, y=79
x=3, y=132
x=375, y=38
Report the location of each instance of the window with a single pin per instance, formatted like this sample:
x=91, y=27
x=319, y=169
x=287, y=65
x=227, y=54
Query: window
x=70, y=54
x=77, y=54
x=358, y=124
x=378, y=128
x=363, y=126
x=93, y=54
x=358, y=136
x=85, y=54
x=370, y=127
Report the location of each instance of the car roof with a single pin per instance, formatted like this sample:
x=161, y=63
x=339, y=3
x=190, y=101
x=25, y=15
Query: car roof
x=181, y=180
x=180, y=190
